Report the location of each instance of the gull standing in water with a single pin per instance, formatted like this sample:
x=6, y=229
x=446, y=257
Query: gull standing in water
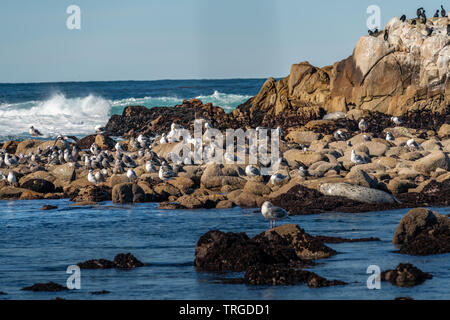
x=272, y=213
x=34, y=132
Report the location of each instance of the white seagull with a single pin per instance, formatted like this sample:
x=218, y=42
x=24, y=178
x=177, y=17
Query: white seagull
x=12, y=177
x=389, y=137
x=131, y=175
x=277, y=178
x=91, y=177
x=412, y=144
x=273, y=213
x=356, y=158
x=362, y=125
x=149, y=167
x=252, y=171
x=396, y=120
x=165, y=174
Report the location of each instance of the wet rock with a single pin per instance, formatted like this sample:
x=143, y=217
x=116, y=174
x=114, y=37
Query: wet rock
x=39, y=185
x=279, y=274
x=121, y=261
x=96, y=264
x=126, y=261
x=49, y=207
x=405, y=275
x=220, y=251
x=423, y=232
x=100, y=292
x=306, y=247
x=49, y=286
x=128, y=193
x=92, y=193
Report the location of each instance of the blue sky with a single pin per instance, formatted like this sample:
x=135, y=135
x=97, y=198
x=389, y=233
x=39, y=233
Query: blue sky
x=181, y=39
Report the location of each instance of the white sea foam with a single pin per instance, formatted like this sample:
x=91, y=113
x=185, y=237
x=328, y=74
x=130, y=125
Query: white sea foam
x=79, y=116
x=70, y=116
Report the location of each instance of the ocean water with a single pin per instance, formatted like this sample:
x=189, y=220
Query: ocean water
x=38, y=246
x=75, y=108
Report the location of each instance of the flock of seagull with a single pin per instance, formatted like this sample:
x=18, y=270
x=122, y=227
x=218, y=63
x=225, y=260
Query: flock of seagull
x=140, y=151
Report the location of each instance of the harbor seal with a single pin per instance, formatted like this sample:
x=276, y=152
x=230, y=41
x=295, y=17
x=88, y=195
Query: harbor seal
x=357, y=193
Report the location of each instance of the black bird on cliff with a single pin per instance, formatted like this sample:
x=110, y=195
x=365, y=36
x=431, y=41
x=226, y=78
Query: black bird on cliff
x=448, y=29
x=386, y=35
x=429, y=31
x=414, y=22
x=419, y=12
x=443, y=12
x=403, y=18
x=436, y=15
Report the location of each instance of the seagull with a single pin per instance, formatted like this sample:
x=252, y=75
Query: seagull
x=252, y=171
x=131, y=175
x=12, y=177
x=277, y=178
x=119, y=147
x=10, y=162
x=340, y=135
x=412, y=144
x=91, y=177
x=165, y=174
x=302, y=171
x=34, y=132
x=149, y=167
x=100, y=129
x=362, y=125
x=163, y=139
x=396, y=120
x=356, y=158
x=99, y=176
x=389, y=137
x=273, y=213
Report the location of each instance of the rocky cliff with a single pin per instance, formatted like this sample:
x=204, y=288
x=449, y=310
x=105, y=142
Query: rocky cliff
x=407, y=72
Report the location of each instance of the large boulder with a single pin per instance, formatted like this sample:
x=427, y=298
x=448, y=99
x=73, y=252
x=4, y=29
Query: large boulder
x=39, y=185
x=128, y=192
x=422, y=232
x=436, y=159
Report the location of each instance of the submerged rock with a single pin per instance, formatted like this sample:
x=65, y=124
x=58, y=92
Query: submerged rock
x=121, y=261
x=49, y=286
x=405, y=275
x=423, y=232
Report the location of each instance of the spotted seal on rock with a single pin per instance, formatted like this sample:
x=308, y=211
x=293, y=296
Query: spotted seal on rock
x=357, y=193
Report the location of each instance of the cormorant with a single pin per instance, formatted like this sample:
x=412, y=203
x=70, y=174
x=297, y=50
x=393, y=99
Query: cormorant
x=414, y=22
x=429, y=31
x=403, y=18
x=448, y=29
x=436, y=15
x=370, y=32
x=386, y=35
x=443, y=12
x=419, y=12
x=423, y=19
